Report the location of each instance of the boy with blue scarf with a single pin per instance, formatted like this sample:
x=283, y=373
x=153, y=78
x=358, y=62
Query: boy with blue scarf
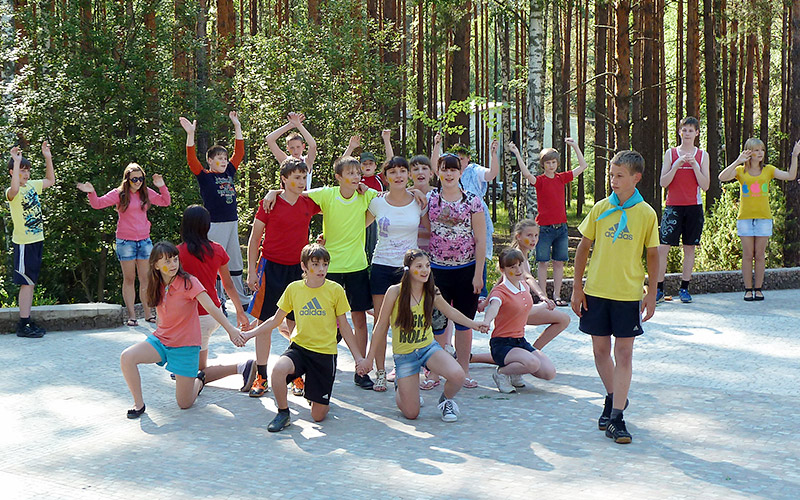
x=620, y=227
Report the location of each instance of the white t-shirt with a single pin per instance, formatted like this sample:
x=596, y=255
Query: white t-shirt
x=397, y=230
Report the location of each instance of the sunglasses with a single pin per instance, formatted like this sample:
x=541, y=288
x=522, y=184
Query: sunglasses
x=136, y=179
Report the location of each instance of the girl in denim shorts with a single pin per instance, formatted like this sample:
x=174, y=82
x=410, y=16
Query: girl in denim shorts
x=408, y=309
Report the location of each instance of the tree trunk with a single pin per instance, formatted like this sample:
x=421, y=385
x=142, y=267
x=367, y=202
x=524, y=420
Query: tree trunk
x=20, y=6
x=623, y=76
x=732, y=131
x=313, y=11
x=180, y=59
x=566, y=125
x=460, y=70
x=791, y=252
x=392, y=57
x=692, y=58
x=150, y=74
x=503, y=35
x=680, y=66
x=650, y=140
x=713, y=72
x=749, y=105
x=253, y=17
x=763, y=90
x=557, y=119
x=201, y=60
x=420, y=63
x=583, y=66
x=600, y=95
x=226, y=34
x=535, y=109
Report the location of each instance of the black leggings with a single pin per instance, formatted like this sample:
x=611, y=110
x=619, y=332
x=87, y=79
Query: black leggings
x=456, y=287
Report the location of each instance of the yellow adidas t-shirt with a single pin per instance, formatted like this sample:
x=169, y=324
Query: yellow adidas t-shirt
x=344, y=226
x=754, y=193
x=407, y=342
x=315, y=312
x=615, y=269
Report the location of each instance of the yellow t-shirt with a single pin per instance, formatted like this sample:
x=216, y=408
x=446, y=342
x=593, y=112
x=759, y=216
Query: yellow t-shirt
x=407, y=342
x=754, y=193
x=344, y=226
x=315, y=312
x=615, y=269
x=26, y=213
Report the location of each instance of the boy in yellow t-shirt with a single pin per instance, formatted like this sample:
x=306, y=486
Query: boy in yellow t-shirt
x=620, y=227
x=318, y=305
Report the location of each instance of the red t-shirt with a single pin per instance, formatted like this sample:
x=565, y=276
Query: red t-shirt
x=373, y=182
x=551, y=198
x=515, y=304
x=204, y=270
x=684, y=190
x=286, y=229
x=178, y=321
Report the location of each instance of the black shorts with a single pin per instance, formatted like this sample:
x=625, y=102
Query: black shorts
x=356, y=287
x=456, y=287
x=606, y=317
x=500, y=346
x=681, y=222
x=382, y=277
x=272, y=281
x=319, y=369
x=370, y=240
x=27, y=262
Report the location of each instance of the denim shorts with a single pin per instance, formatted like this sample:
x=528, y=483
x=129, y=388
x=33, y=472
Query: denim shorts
x=406, y=365
x=754, y=227
x=134, y=249
x=181, y=361
x=553, y=238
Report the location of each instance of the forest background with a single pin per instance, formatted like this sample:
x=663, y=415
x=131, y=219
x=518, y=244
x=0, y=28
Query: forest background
x=106, y=80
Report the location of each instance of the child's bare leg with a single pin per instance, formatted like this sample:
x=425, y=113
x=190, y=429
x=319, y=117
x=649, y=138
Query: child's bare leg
x=688, y=262
x=143, y=270
x=283, y=368
x=129, y=287
x=663, y=253
x=407, y=396
x=263, y=345
x=451, y=370
x=129, y=361
x=441, y=339
x=25, y=300
x=760, y=255
x=380, y=358
x=360, y=329
x=463, y=346
x=186, y=390
x=484, y=357
x=558, y=275
x=541, y=275
x=203, y=361
x=217, y=372
x=547, y=370
x=540, y=315
x=518, y=362
x=601, y=347
x=748, y=247
x=623, y=368
x=319, y=411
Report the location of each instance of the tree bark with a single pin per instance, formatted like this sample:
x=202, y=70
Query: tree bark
x=713, y=72
x=19, y=7
x=623, y=92
x=749, y=105
x=557, y=120
x=503, y=36
x=692, y=58
x=600, y=96
x=313, y=11
x=535, y=109
x=460, y=70
x=763, y=90
x=791, y=253
x=226, y=34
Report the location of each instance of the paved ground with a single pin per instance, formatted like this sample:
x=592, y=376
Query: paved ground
x=715, y=410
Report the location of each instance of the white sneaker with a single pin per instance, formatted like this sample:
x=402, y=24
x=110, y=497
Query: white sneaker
x=503, y=382
x=517, y=381
x=449, y=410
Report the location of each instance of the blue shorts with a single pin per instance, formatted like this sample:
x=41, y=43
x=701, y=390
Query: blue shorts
x=382, y=277
x=27, y=262
x=553, y=243
x=407, y=365
x=181, y=361
x=754, y=227
x=501, y=346
x=134, y=249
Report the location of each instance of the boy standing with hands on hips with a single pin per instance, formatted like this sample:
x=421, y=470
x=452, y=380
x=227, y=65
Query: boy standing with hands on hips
x=620, y=227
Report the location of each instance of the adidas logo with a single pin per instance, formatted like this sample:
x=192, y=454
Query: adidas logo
x=312, y=309
x=624, y=235
x=636, y=328
x=326, y=396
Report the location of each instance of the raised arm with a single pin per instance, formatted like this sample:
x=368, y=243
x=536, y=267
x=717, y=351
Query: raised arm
x=729, y=173
x=436, y=152
x=107, y=200
x=50, y=173
x=582, y=165
x=191, y=153
x=494, y=163
x=296, y=119
x=352, y=145
x=16, y=155
x=162, y=198
x=272, y=141
x=238, y=148
x=386, y=135
x=523, y=168
x=792, y=173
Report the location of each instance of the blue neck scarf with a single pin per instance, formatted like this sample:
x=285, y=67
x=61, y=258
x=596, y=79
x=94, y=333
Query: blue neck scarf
x=623, y=220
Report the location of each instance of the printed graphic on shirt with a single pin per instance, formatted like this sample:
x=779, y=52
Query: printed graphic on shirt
x=383, y=227
x=755, y=190
x=32, y=213
x=312, y=308
x=416, y=335
x=225, y=188
x=624, y=235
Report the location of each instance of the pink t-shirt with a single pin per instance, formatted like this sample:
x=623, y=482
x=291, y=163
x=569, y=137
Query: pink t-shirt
x=178, y=320
x=452, y=242
x=204, y=270
x=133, y=224
x=515, y=304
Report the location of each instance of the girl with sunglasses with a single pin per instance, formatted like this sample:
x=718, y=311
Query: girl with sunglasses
x=132, y=199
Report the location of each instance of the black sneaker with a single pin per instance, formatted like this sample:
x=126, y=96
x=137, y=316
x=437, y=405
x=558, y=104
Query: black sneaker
x=616, y=430
x=249, y=375
x=364, y=382
x=37, y=327
x=280, y=422
x=602, y=422
x=29, y=330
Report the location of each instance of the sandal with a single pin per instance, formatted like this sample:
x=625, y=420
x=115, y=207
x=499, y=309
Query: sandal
x=201, y=376
x=134, y=413
x=151, y=319
x=380, y=381
x=757, y=295
x=748, y=298
x=470, y=383
x=391, y=375
x=132, y=322
x=561, y=303
x=428, y=384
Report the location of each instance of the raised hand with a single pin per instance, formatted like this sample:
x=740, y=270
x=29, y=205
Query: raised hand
x=16, y=154
x=744, y=156
x=494, y=146
x=796, y=149
x=293, y=118
x=46, y=150
x=158, y=181
x=386, y=134
x=188, y=126
x=512, y=147
x=234, y=116
x=86, y=187
x=437, y=139
x=571, y=142
x=355, y=142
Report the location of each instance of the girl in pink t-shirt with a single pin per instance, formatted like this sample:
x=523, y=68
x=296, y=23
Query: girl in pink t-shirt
x=510, y=303
x=176, y=341
x=132, y=199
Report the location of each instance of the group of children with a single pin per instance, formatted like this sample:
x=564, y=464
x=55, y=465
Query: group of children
x=426, y=266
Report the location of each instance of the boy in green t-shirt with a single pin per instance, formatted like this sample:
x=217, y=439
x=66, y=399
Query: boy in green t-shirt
x=28, y=238
x=620, y=227
x=318, y=305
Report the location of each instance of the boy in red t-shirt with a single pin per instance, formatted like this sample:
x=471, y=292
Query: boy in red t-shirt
x=284, y=230
x=552, y=217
